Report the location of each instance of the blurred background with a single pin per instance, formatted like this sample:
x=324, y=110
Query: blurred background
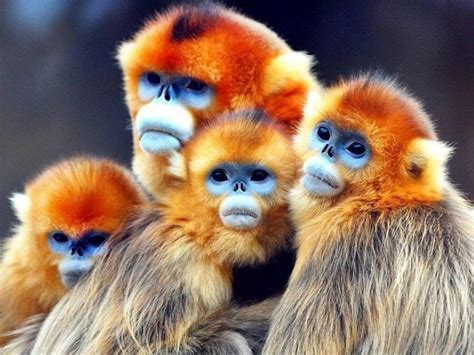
x=60, y=88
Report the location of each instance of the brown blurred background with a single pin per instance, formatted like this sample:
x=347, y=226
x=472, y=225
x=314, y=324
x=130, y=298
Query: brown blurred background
x=60, y=89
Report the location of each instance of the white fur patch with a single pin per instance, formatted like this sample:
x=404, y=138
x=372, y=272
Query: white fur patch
x=177, y=166
x=287, y=68
x=239, y=343
x=124, y=53
x=313, y=104
x=436, y=154
x=20, y=203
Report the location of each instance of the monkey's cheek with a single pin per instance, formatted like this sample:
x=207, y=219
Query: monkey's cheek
x=324, y=186
x=159, y=143
x=240, y=221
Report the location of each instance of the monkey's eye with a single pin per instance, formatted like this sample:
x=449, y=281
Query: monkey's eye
x=259, y=175
x=323, y=133
x=153, y=78
x=195, y=85
x=96, y=239
x=219, y=175
x=59, y=237
x=357, y=149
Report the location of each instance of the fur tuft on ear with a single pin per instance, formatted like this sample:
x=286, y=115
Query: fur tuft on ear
x=124, y=51
x=288, y=69
x=427, y=161
x=20, y=203
x=177, y=167
x=313, y=104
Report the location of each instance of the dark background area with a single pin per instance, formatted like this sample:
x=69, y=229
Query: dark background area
x=60, y=89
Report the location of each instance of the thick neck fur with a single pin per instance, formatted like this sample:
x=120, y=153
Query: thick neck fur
x=355, y=200
x=339, y=215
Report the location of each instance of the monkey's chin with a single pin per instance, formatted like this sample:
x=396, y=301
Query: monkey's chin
x=321, y=185
x=69, y=280
x=155, y=142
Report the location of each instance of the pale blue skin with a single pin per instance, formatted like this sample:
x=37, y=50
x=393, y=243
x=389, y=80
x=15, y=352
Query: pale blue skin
x=77, y=254
x=335, y=146
x=175, y=89
x=165, y=123
x=240, y=184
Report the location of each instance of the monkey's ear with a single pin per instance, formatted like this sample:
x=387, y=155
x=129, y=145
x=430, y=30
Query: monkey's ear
x=124, y=53
x=20, y=203
x=287, y=71
x=427, y=160
x=313, y=104
x=177, y=166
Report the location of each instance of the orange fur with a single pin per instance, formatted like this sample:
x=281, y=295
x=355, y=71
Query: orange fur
x=222, y=142
x=386, y=265
x=185, y=253
x=74, y=196
x=245, y=63
x=392, y=122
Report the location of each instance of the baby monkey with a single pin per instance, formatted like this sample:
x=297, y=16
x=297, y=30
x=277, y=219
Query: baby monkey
x=385, y=242
x=66, y=214
x=171, y=267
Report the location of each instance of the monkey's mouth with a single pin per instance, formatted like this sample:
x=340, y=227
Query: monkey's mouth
x=325, y=180
x=69, y=279
x=161, y=131
x=240, y=218
x=240, y=212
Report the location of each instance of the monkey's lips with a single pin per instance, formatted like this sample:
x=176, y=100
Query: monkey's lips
x=320, y=184
x=240, y=218
x=163, y=128
x=159, y=141
x=69, y=279
x=240, y=212
x=324, y=180
x=162, y=131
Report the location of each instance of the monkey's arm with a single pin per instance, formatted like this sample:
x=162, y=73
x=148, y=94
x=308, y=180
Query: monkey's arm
x=232, y=330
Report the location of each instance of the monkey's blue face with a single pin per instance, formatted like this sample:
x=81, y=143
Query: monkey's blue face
x=77, y=254
x=166, y=122
x=240, y=184
x=335, y=147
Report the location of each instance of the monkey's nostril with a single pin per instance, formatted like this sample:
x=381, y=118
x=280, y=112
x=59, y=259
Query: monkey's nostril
x=331, y=152
x=80, y=252
x=242, y=187
x=160, y=92
x=167, y=94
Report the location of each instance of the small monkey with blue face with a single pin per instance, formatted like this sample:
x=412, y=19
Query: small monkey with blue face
x=385, y=242
x=66, y=214
x=171, y=268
